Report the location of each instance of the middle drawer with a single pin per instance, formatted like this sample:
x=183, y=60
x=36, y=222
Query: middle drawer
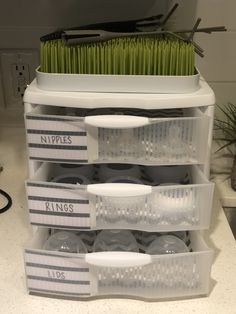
x=161, y=199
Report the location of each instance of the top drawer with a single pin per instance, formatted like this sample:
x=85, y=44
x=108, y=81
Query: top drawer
x=172, y=136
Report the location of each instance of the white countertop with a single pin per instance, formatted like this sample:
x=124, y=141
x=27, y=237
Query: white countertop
x=226, y=194
x=15, y=231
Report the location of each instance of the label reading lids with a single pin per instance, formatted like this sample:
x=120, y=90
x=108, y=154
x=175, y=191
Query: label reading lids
x=58, y=274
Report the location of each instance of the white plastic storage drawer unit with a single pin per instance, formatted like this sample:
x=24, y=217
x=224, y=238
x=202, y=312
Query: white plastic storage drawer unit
x=166, y=139
x=161, y=204
x=118, y=273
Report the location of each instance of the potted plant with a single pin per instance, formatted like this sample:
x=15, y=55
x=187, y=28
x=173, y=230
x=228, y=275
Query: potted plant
x=226, y=135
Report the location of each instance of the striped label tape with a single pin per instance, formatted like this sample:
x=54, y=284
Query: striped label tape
x=57, y=274
x=56, y=139
x=58, y=207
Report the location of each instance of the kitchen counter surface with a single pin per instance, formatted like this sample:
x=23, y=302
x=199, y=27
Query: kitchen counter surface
x=15, y=231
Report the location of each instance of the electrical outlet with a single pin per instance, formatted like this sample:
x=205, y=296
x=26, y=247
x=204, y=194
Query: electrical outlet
x=18, y=70
x=21, y=77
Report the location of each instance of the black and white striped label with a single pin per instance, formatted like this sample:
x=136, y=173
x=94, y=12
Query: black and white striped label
x=57, y=206
x=56, y=138
x=57, y=274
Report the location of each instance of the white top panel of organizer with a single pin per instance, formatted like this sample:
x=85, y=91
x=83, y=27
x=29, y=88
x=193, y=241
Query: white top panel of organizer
x=204, y=96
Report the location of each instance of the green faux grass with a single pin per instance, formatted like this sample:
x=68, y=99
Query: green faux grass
x=134, y=56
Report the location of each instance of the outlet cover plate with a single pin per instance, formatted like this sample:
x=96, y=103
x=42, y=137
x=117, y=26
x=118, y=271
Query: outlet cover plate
x=18, y=70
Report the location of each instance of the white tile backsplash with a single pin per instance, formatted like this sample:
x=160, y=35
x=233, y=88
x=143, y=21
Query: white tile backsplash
x=219, y=63
x=225, y=93
x=22, y=23
x=217, y=12
x=54, y=13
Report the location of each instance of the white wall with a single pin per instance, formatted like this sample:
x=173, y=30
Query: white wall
x=22, y=22
x=219, y=64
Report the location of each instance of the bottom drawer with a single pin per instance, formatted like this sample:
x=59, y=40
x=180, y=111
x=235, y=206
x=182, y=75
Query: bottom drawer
x=118, y=273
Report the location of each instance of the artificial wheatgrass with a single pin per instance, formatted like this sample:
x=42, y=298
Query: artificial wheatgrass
x=127, y=56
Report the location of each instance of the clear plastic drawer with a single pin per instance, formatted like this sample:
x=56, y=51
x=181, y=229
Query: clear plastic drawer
x=118, y=273
x=165, y=139
x=90, y=197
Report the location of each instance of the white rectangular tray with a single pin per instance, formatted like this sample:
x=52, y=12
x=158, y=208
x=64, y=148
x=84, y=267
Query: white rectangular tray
x=117, y=83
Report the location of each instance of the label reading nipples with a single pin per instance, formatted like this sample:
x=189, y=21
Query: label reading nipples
x=55, y=139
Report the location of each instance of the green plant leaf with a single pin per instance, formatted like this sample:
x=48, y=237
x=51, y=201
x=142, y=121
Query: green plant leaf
x=227, y=127
x=226, y=145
